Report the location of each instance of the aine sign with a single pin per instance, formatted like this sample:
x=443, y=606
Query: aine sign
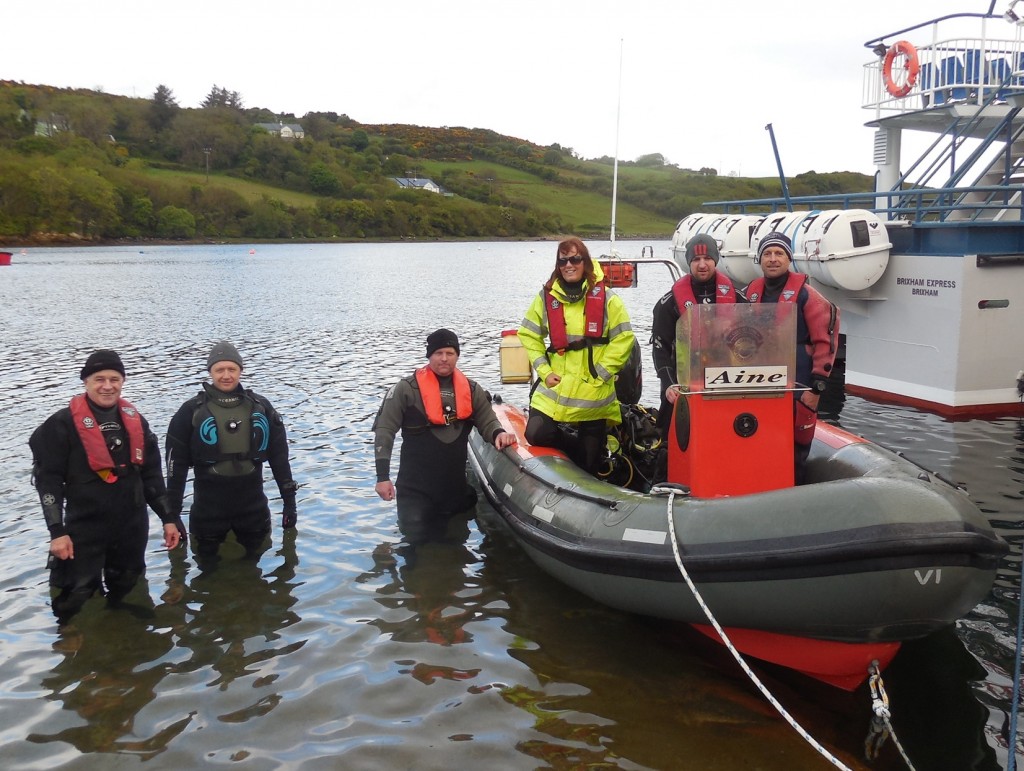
x=743, y=378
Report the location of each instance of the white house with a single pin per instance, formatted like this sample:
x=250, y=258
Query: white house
x=415, y=183
x=284, y=130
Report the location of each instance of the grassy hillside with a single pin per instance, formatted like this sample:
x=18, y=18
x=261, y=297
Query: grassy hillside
x=588, y=212
x=83, y=165
x=248, y=189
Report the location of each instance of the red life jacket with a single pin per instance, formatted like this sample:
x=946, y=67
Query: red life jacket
x=96, y=450
x=430, y=391
x=682, y=290
x=593, y=318
x=794, y=283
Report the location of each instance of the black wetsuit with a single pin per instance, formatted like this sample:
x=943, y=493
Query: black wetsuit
x=227, y=489
x=431, y=484
x=663, y=336
x=107, y=522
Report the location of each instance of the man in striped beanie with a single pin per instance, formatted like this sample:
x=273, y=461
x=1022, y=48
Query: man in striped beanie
x=817, y=332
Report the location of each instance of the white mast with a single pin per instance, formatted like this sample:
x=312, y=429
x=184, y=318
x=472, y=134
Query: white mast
x=615, y=167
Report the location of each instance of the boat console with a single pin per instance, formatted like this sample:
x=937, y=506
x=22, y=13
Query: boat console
x=732, y=423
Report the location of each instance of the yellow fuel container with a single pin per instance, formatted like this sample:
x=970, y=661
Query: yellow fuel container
x=515, y=365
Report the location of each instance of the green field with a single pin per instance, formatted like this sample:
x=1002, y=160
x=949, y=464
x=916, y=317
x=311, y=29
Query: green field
x=250, y=191
x=586, y=210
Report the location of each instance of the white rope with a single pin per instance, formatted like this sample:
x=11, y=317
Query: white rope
x=735, y=653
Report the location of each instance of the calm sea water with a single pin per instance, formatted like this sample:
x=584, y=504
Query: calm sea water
x=342, y=649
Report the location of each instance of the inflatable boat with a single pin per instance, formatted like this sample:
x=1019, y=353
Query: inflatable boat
x=824, y=577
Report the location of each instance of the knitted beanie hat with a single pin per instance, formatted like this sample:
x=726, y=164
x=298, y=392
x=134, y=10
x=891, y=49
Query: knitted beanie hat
x=223, y=351
x=702, y=245
x=442, y=338
x=775, y=238
x=101, y=360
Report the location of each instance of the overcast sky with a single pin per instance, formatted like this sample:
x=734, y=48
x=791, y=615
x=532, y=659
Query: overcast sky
x=699, y=79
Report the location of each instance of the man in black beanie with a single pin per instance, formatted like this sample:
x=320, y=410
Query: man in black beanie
x=226, y=433
x=435, y=408
x=96, y=464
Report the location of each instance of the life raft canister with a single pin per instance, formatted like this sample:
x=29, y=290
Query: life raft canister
x=911, y=67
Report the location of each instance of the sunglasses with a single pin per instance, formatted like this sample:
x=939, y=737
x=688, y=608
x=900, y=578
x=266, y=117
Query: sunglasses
x=563, y=261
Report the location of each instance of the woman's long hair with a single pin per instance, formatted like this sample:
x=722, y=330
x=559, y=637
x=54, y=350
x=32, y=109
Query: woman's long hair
x=588, y=264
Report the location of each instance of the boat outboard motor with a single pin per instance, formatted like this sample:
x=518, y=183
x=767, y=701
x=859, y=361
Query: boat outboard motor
x=732, y=425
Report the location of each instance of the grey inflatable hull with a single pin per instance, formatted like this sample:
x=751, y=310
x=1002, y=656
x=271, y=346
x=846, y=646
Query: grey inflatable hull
x=870, y=549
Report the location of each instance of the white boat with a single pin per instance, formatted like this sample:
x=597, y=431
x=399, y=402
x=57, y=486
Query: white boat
x=928, y=268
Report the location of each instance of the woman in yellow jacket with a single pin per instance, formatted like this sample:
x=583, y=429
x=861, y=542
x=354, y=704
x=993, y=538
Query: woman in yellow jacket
x=578, y=336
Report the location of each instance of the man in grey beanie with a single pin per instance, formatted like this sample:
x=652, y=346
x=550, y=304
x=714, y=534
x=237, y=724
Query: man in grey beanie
x=224, y=351
x=226, y=433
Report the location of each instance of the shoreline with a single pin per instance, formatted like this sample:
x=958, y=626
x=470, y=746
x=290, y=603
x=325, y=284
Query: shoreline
x=67, y=240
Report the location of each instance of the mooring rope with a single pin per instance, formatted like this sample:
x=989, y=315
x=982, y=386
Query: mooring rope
x=881, y=728
x=728, y=643
x=1011, y=742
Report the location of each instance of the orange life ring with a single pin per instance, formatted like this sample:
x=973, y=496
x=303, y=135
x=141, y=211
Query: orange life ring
x=912, y=67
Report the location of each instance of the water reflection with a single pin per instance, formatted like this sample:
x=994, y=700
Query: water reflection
x=231, y=619
x=608, y=684
x=375, y=652
x=428, y=591
x=933, y=680
x=111, y=666
x=226, y=628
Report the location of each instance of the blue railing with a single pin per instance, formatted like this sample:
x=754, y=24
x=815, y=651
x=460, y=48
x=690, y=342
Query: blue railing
x=919, y=206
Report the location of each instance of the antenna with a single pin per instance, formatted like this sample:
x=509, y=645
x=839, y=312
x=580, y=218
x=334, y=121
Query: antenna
x=615, y=167
x=778, y=164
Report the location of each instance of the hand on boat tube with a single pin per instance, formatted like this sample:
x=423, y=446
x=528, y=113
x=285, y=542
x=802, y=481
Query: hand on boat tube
x=810, y=400
x=805, y=416
x=386, y=490
x=503, y=440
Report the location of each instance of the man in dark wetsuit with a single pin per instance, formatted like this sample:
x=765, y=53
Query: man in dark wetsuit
x=435, y=409
x=226, y=433
x=96, y=464
x=704, y=285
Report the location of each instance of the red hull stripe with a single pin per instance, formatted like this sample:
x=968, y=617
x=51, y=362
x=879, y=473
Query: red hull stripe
x=843, y=665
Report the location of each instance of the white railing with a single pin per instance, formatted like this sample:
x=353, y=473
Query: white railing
x=961, y=70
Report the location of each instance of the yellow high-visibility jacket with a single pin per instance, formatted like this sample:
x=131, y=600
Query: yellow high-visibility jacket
x=582, y=394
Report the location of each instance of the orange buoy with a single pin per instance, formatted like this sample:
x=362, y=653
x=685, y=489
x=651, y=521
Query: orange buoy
x=909, y=66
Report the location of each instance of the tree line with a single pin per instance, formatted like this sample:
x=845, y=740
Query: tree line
x=81, y=163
